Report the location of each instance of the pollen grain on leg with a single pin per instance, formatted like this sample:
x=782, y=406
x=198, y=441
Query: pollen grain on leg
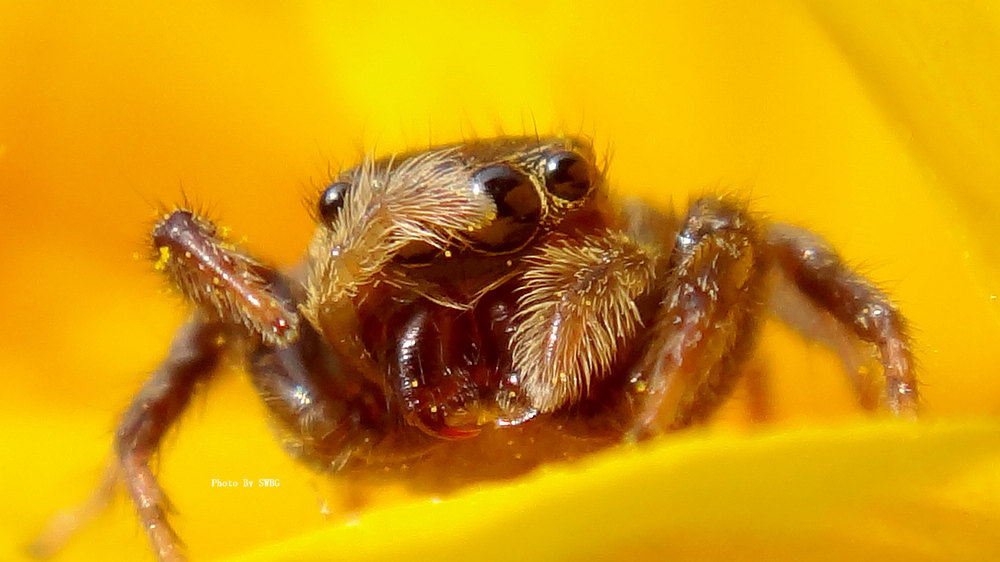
x=217, y=276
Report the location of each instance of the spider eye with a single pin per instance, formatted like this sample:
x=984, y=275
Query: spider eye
x=332, y=200
x=511, y=190
x=519, y=206
x=567, y=175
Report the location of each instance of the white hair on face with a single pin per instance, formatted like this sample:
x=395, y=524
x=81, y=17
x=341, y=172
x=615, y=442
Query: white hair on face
x=427, y=198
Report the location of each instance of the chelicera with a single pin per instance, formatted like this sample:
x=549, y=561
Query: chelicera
x=470, y=303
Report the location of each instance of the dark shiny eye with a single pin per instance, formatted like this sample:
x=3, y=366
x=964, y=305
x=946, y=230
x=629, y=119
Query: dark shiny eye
x=332, y=200
x=567, y=175
x=519, y=206
x=511, y=190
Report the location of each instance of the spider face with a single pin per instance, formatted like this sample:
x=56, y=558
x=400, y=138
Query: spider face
x=469, y=304
x=449, y=205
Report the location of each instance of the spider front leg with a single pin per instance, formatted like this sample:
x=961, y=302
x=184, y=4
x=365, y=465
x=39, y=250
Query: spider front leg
x=193, y=357
x=710, y=311
x=232, y=292
x=325, y=410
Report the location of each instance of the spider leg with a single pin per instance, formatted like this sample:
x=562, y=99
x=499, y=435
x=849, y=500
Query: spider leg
x=63, y=525
x=193, y=357
x=866, y=312
x=230, y=290
x=325, y=407
x=710, y=311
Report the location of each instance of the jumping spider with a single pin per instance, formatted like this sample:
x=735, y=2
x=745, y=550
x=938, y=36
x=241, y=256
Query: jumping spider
x=460, y=304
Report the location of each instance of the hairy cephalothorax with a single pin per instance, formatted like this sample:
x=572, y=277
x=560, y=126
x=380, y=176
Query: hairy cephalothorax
x=483, y=293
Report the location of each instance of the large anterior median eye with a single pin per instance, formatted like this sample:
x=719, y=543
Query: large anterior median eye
x=332, y=200
x=568, y=175
x=519, y=207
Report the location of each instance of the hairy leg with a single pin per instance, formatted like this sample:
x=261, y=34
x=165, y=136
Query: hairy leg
x=63, y=525
x=709, y=315
x=325, y=405
x=230, y=290
x=193, y=357
x=866, y=312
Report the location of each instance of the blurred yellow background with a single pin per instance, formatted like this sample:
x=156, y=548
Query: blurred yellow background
x=877, y=127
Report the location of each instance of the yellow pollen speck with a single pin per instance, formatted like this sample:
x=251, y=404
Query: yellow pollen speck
x=434, y=409
x=187, y=254
x=414, y=384
x=220, y=341
x=161, y=263
x=447, y=253
x=215, y=281
x=135, y=255
x=562, y=376
x=509, y=263
x=224, y=232
x=640, y=386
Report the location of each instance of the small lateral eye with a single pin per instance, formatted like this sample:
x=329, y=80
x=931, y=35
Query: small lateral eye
x=332, y=200
x=567, y=175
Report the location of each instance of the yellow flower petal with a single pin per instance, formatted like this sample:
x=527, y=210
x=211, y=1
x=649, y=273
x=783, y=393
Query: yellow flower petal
x=933, y=73
x=876, y=126
x=865, y=492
